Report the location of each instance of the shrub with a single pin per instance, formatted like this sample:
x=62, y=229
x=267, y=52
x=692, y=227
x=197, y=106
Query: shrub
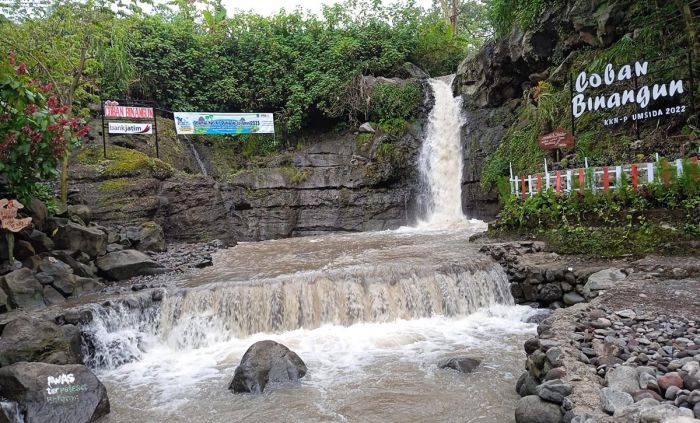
x=35, y=131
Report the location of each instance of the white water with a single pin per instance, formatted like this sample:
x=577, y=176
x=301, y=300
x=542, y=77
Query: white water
x=370, y=314
x=368, y=372
x=440, y=161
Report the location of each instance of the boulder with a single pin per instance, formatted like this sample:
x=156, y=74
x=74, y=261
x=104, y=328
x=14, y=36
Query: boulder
x=604, y=279
x=124, y=264
x=670, y=379
x=550, y=292
x=366, y=128
x=612, y=399
x=571, y=298
x=527, y=385
x=51, y=296
x=44, y=392
x=4, y=302
x=29, y=339
x=40, y=241
x=663, y=413
x=22, y=289
x=80, y=211
x=74, y=237
x=554, y=391
x=266, y=362
x=623, y=378
x=461, y=364
x=38, y=212
x=533, y=409
x=151, y=237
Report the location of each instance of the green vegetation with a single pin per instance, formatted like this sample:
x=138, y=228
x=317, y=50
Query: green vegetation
x=123, y=162
x=503, y=14
x=36, y=131
x=546, y=106
x=395, y=101
x=192, y=55
x=620, y=222
x=295, y=176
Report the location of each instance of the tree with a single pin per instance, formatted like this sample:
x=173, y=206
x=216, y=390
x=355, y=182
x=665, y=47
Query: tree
x=63, y=44
x=36, y=131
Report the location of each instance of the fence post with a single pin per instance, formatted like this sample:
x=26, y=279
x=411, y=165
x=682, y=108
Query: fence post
x=522, y=188
x=569, y=181
x=635, y=177
x=618, y=176
x=529, y=184
x=665, y=172
x=679, y=167
x=650, y=172
x=581, y=181
x=515, y=184
x=606, y=179
x=558, y=182
x=539, y=182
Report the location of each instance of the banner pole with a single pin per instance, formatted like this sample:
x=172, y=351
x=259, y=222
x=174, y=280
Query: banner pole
x=104, y=142
x=155, y=129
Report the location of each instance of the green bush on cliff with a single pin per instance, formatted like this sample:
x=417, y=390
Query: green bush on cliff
x=395, y=101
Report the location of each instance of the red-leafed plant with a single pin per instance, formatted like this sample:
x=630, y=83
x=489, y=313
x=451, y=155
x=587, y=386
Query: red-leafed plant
x=35, y=129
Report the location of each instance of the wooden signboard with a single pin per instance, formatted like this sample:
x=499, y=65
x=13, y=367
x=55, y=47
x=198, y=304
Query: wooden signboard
x=8, y=215
x=557, y=139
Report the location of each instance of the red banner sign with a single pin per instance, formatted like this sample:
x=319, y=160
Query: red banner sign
x=112, y=111
x=557, y=139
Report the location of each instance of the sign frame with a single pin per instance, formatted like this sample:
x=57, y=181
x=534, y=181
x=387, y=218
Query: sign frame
x=125, y=106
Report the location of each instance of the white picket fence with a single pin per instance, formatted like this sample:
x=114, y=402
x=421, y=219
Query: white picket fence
x=593, y=179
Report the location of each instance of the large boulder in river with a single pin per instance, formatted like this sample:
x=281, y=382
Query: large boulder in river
x=76, y=237
x=266, y=362
x=124, y=264
x=29, y=339
x=22, y=289
x=49, y=393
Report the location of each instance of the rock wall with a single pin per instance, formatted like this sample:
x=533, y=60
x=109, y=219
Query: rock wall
x=339, y=184
x=492, y=81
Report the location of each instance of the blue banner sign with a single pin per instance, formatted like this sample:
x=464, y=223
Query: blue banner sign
x=224, y=123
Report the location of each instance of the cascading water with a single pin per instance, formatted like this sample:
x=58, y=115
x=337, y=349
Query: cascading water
x=440, y=161
x=369, y=313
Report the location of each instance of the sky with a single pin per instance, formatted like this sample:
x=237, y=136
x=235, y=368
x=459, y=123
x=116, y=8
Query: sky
x=268, y=7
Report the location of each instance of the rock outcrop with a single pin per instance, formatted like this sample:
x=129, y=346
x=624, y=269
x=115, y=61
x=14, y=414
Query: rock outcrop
x=493, y=80
x=40, y=392
x=124, y=264
x=31, y=339
x=340, y=182
x=266, y=362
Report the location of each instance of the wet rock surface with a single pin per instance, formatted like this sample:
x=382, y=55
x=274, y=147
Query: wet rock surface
x=42, y=393
x=266, y=362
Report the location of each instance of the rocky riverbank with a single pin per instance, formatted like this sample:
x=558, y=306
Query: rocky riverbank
x=631, y=354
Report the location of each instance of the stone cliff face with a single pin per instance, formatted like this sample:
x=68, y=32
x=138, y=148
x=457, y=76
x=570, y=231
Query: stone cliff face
x=340, y=184
x=492, y=82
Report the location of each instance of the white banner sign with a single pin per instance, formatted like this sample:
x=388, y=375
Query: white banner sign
x=130, y=128
x=224, y=123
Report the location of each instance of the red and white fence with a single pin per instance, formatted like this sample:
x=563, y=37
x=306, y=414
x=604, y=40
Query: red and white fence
x=596, y=179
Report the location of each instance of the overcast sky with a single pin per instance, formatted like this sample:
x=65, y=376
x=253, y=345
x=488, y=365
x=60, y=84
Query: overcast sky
x=267, y=7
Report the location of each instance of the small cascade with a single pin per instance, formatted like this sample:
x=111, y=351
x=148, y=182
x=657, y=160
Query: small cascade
x=197, y=317
x=440, y=160
x=195, y=153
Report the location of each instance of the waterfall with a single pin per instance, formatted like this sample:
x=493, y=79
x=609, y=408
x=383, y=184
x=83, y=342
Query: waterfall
x=440, y=160
x=420, y=276
x=195, y=153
